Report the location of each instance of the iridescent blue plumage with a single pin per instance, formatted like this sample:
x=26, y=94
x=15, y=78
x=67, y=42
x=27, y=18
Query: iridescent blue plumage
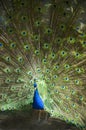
x=1, y=44
x=37, y=101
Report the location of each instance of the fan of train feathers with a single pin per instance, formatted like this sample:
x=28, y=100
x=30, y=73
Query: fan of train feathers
x=44, y=40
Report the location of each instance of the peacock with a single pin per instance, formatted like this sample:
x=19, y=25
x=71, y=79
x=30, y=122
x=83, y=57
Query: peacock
x=43, y=44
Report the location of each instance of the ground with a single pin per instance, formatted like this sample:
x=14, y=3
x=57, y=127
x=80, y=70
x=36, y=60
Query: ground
x=28, y=120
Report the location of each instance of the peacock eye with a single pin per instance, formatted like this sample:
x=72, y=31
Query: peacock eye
x=7, y=70
x=63, y=52
x=37, y=52
x=70, y=38
x=2, y=109
x=67, y=120
x=73, y=105
x=77, y=54
x=44, y=60
x=10, y=30
x=24, y=18
x=18, y=70
x=64, y=14
x=63, y=87
x=39, y=8
x=67, y=66
x=84, y=43
x=78, y=70
x=9, y=108
x=1, y=44
x=22, y=3
x=12, y=45
x=56, y=67
x=56, y=91
x=20, y=59
x=54, y=5
x=8, y=59
x=26, y=47
x=66, y=79
x=36, y=37
x=47, y=70
x=77, y=82
x=19, y=80
x=81, y=98
x=38, y=70
x=25, y=86
x=48, y=31
x=30, y=73
x=23, y=33
x=10, y=17
x=37, y=23
x=46, y=46
x=53, y=55
x=62, y=26
x=7, y=80
x=55, y=76
x=67, y=2
x=77, y=116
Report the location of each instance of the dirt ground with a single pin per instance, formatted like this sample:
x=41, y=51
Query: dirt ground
x=30, y=121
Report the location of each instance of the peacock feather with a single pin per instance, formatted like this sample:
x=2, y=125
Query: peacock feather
x=44, y=40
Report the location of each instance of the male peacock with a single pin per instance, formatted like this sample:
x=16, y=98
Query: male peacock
x=37, y=101
x=46, y=40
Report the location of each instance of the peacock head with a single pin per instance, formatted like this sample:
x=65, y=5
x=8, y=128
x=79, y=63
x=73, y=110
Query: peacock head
x=35, y=84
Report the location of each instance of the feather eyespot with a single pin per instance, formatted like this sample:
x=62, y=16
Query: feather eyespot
x=22, y=3
x=64, y=14
x=67, y=2
x=24, y=33
x=39, y=8
x=1, y=44
x=13, y=45
x=26, y=47
x=84, y=43
x=37, y=23
x=10, y=17
x=20, y=59
x=62, y=26
x=77, y=54
x=77, y=82
x=58, y=40
x=46, y=46
x=8, y=59
x=37, y=52
x=54, y=5
x=10, y=31
x=56, y=67
x=48, y=31
x=44, y=60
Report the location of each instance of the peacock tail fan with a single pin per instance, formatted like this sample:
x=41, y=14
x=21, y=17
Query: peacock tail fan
x=46, y=40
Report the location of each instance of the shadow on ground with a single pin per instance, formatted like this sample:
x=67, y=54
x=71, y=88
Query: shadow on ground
x=22, y=120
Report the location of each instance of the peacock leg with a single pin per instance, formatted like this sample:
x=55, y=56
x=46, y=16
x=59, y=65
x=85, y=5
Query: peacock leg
x=39, y=116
